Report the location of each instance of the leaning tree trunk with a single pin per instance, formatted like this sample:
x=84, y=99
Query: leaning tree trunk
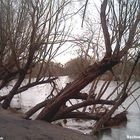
x=9, y=97
x=49, y=112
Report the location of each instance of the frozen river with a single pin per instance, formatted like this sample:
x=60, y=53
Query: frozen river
x=31, y=97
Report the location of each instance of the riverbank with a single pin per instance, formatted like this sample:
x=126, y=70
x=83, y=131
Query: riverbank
x=13, y=127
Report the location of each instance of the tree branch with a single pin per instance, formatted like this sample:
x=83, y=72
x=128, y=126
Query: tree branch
x=22, y=89
x=105, y=28
x=85, y=103
x=80, y=115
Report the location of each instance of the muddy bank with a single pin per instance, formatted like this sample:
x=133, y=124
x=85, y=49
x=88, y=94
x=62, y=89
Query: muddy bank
x=13, y=127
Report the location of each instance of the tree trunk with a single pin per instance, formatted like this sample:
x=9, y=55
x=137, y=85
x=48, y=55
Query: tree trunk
x=21, y=77
x=71, y=90
x=9, y=97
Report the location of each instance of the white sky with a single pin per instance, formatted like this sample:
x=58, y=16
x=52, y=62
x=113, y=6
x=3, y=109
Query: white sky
x=76, y=23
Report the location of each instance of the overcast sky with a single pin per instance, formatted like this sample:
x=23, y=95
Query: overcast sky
x=77, y=30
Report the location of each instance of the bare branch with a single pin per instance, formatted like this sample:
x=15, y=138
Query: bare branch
x=105, y=28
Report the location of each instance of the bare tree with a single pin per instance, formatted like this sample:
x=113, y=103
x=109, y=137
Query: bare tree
x=119, y=38
x=31, y=34
x=119, y=20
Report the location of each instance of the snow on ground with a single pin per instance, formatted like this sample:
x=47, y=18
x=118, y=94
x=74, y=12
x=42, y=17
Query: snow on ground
x=35, y=95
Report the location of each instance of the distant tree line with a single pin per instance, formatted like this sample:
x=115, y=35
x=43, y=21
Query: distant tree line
x=76, y=66
x=49, y=69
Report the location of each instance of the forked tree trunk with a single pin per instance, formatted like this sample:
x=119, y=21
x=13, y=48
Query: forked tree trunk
x=21, y=77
